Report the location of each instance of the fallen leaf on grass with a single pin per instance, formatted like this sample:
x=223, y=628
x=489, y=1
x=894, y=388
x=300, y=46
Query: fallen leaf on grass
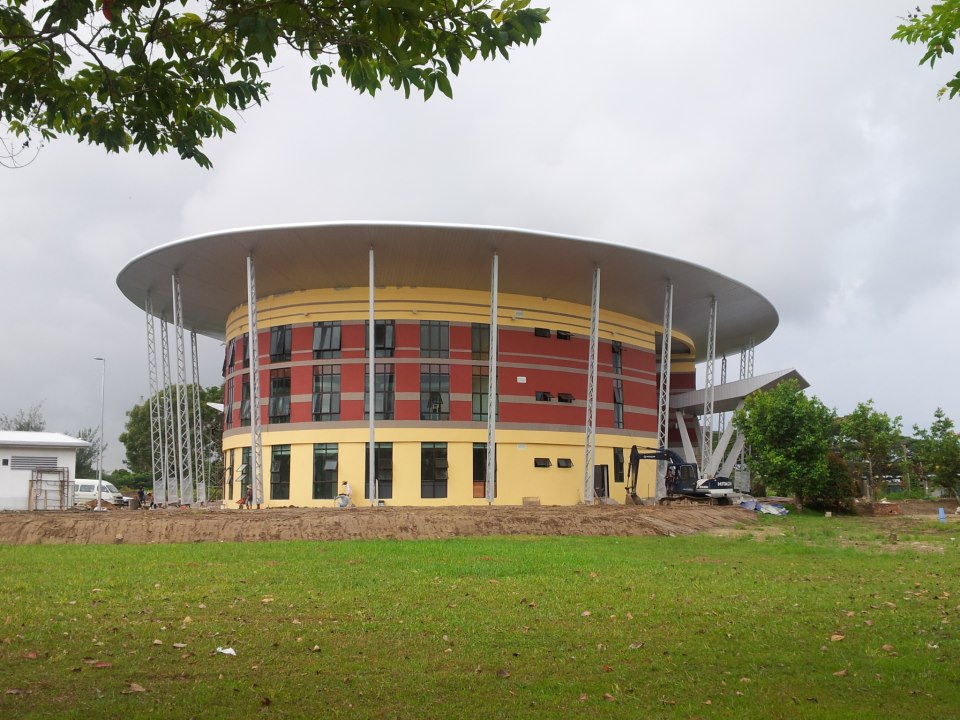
x=32, y=655
x=101, y=664
x=868, y=623
x=503, y=674
x=266, y=701
x=266, y=600
x=14, y=691
x=744, y=679
x=179, y=646
x=608, y=697
x=158, y=642
x=840, y=673
x=586, y=613
x=315, y=648
x=134, y=688
x=607, y=668
x=636, y=645
x=836, y=637
x=583, y=697
x=887, y=648
x=708, y=702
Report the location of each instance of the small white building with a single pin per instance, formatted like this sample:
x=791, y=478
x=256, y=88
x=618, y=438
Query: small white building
x=37, y=469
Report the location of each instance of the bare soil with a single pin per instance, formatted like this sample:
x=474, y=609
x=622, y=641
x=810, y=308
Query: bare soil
x=209, y=525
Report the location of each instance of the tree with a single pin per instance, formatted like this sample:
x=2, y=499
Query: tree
x=938, y=452
x=136, y=437
x=789, y=435
x=87, y=457
x=936, y=29
x=159, y=74
x=29, y=420
x=869, y=439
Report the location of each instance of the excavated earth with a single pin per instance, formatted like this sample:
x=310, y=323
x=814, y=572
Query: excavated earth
x=215, y=525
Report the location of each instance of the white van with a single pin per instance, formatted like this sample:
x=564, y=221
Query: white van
x=85, y=491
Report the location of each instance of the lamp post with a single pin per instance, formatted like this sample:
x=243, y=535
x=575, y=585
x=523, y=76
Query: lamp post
x=103, y=382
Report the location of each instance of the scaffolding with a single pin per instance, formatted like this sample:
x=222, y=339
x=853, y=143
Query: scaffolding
x=50, y=489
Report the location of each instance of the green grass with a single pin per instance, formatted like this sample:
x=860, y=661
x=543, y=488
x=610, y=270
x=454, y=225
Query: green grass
x=491, y=628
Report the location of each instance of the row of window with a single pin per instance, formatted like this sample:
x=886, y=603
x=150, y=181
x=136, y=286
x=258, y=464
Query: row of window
x=434, y=342
x=545, y=396
x=542, y=462
x=434, y=471
x=434, y=394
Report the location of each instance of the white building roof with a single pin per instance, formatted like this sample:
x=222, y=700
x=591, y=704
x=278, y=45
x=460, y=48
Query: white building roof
x=213, y=277
x=726, y=397
x=21, y=438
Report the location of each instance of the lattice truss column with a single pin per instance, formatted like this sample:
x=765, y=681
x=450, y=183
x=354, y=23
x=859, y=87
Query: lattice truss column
x=184, y=423
x=199, y=447
x=589, y=453
x=172, y=494
x=492, y=384
x=256, y=429
x=158, y=458
x=663, y=404
x=706, y=436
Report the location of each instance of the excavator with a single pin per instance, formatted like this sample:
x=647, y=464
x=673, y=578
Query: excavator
x=683, y=481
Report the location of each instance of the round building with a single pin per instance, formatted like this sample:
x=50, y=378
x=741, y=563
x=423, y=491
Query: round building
x=577, y=359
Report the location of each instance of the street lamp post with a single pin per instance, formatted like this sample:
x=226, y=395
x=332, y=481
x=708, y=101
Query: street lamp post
x=103, y=382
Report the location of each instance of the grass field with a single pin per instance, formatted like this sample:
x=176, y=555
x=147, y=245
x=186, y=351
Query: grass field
x=797, y=617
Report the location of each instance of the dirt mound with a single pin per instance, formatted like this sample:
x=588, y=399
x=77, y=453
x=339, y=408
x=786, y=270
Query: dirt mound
x=196, y=525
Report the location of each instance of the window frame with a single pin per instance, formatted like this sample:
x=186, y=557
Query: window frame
x=383, y=470
x=281, y=343
x=434, y=387
x=326, y=393
x=434, y=470
x=434, y=339
x=278, y=406
x=384, y=400
x=327, y=339
x=323, y=487
x=280, y=472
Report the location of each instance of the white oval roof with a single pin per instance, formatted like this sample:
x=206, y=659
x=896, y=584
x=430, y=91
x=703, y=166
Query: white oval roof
x=213, y=280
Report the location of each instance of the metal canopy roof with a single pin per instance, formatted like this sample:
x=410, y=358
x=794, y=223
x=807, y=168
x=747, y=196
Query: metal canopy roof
x=212, y=271
x=726, y=397
x=29, y=438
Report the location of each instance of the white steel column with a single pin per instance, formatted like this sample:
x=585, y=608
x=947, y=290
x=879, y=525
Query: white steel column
x=589, y=450
x=172, y=494
x=256, y=436
x=722, y=418
x=706, y=434
x=371, y=389
x=183, y=413
x=663, y=406
x=157, y=456
x=492, y=381
x=199, y=450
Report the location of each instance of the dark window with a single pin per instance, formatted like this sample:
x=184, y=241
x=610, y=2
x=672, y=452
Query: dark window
x=382, y=473
x=480, y=471
x=542, y=462
x=245, y=401
x=326, y=392
x=618, y=403
x=325, y=463
x=563, y=335
x=279, y=408
x=384, y=338
x=480, y=341
x=544, y=396
x=231, y=355
x=564, y=462
x=433, y=470
x=434, y=338
x=541, y=332
x=384, y=397
x=480, y=395
x=228, y=407
x=434, y=392
x=280, y=472
x=281, y=339
x=564, y=397
x=246, y=350
x=326, y=340
x=617, y=349
x=245, y=470
x=228, y=475
x=618, y=465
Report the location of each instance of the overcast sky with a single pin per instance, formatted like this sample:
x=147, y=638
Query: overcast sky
x=793, y=147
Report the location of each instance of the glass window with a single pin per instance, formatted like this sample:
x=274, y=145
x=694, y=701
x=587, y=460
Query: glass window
x=383, y=470
x=280, y=472
x=326, y=392
x=384, y=338
x=383, y=400
x=617, y=349
x=434, y=392
x=325, y=471
x=564, y=463
x=618, y=403
x=281, y=338
x=480, y=395
x=279, y=407
x=245, y=470
x=245, y=401
x=564, y=397
x=543, y=396
x=618, y=465
x=434, y=338
x=433, y=470
x=541, y=332
x=326, y=340
x=246, y=350
x=231, y=356
x=542, y=462
x=228, y=407
x=480, y=471
x=563, y=335
x=480, y=341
